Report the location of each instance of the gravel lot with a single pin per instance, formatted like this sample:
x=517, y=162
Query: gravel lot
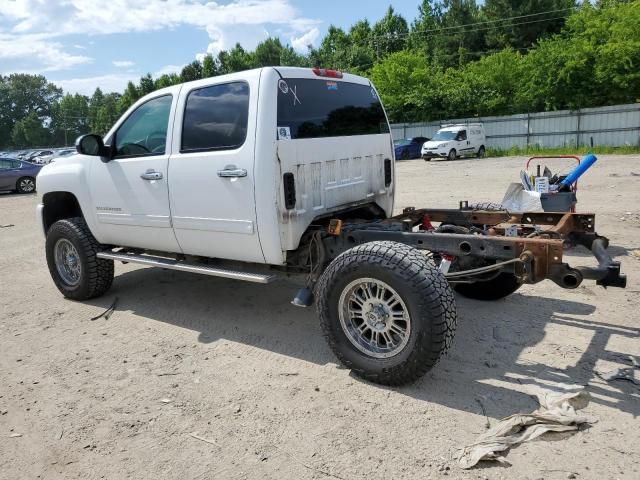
x=198, y=377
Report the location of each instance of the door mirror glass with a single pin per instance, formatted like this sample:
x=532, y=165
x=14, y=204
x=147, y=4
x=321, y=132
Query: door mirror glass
x=90, y=145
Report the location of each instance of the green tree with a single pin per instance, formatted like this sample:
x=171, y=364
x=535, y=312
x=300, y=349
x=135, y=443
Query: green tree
x=291, y=58
x=192, y=71
x=235, y=60
x=128, y=98
x=457, y=41
x=167, y=80
x=30, y=132
x=533, y=24
x=390, y=34
x=95, y=103
x=146, y=85
x=69, y=119
x=268, y=53
x=209, y=66
x=20, y=96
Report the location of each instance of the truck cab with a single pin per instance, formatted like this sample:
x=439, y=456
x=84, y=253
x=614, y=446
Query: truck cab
x=234, y=167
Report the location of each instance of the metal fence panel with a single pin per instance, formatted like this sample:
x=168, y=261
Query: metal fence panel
x=615, y=125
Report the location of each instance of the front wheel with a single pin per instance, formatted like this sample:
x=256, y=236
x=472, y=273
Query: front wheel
x=387, y=312
x=452, y=154
x=71, y=256
x=26, y=185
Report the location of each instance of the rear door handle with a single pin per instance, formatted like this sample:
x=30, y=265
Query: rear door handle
x=151, y=175
x=232, y=173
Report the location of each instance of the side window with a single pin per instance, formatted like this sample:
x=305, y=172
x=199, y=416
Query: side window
x=144, y=132
x=5, y=164
x=15, y=164
x=462, y=135
x=216, y=117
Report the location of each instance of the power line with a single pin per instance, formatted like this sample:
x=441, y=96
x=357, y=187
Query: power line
x=450, y=34
x=497, y=20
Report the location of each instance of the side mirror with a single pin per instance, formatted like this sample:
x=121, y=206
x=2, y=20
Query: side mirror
x=93, y=145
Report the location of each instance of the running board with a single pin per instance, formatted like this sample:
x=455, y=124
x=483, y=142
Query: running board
x=172, y=264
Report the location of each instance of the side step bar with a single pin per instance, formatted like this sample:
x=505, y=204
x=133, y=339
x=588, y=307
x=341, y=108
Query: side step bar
x=172, y=264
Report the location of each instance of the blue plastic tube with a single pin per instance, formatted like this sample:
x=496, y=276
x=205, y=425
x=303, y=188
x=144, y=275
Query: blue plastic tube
x=577, y=172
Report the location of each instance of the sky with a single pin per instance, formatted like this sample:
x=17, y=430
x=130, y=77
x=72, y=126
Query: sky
x=83, y=44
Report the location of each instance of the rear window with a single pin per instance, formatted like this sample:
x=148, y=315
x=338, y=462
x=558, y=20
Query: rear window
x=309, y=108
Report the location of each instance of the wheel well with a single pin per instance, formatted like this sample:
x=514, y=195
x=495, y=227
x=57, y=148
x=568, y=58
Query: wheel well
x=59, y=205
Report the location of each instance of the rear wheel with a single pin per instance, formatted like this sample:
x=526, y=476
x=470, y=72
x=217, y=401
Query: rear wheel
x=481, y=152
x=387, y=312
x=503, y=285
x=499, y=287
x=404, y=155
x=26, y=185
x=452, y=154
x=71, y=256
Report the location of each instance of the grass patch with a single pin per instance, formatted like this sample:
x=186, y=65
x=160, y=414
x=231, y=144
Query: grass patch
x=535, y=150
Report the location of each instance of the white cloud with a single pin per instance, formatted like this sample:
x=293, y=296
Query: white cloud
x=226, y=24
x=37, y=54
x=123, y=63
x=86, y=86
x=167, y=70
x=301, y=43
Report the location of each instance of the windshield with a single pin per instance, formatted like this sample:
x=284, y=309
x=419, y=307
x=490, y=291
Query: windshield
x=401, y=143
x=444, y=135
x=309, y=108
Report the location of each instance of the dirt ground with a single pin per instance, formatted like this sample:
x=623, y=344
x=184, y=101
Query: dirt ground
x=195, y=377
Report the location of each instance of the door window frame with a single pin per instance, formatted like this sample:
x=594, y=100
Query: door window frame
x=114, y=136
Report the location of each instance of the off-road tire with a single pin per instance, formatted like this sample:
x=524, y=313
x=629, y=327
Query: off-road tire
x=21, y=188
x=502, y=286
x=96, y=274
x=422, y=287
x=499, y=287
x=452, y=154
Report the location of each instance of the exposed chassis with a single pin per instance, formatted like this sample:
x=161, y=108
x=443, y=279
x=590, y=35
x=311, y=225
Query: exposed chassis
x=533, y=241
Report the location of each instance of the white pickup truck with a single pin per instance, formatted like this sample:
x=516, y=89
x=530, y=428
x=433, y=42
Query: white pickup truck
x=290, y=171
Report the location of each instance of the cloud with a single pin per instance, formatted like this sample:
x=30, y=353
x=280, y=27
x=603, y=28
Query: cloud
x=37, y=54
x=167, y=70
x=86, y=86
x=123, y=63
x=301, y=43
x=226, y=24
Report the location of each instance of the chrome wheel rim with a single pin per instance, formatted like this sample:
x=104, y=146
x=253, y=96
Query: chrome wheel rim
x=374, y=318
x=27, y=185
x=67, y=262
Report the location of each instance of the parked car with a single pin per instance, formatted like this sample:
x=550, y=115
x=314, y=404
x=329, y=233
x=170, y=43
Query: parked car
x=44, y=159
x=38, y=155
x=18, y=175
x=453, y=141
x=409, y=147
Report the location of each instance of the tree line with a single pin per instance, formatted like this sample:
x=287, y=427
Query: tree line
x=455, y=59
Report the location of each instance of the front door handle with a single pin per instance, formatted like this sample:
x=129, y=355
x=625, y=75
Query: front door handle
x=151, y=175
x=232, y=173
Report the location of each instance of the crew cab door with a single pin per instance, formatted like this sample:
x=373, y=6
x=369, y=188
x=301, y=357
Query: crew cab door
x=211, y=169
x=130, y=193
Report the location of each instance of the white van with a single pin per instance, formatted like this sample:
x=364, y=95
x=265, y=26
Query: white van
x=453, y=141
